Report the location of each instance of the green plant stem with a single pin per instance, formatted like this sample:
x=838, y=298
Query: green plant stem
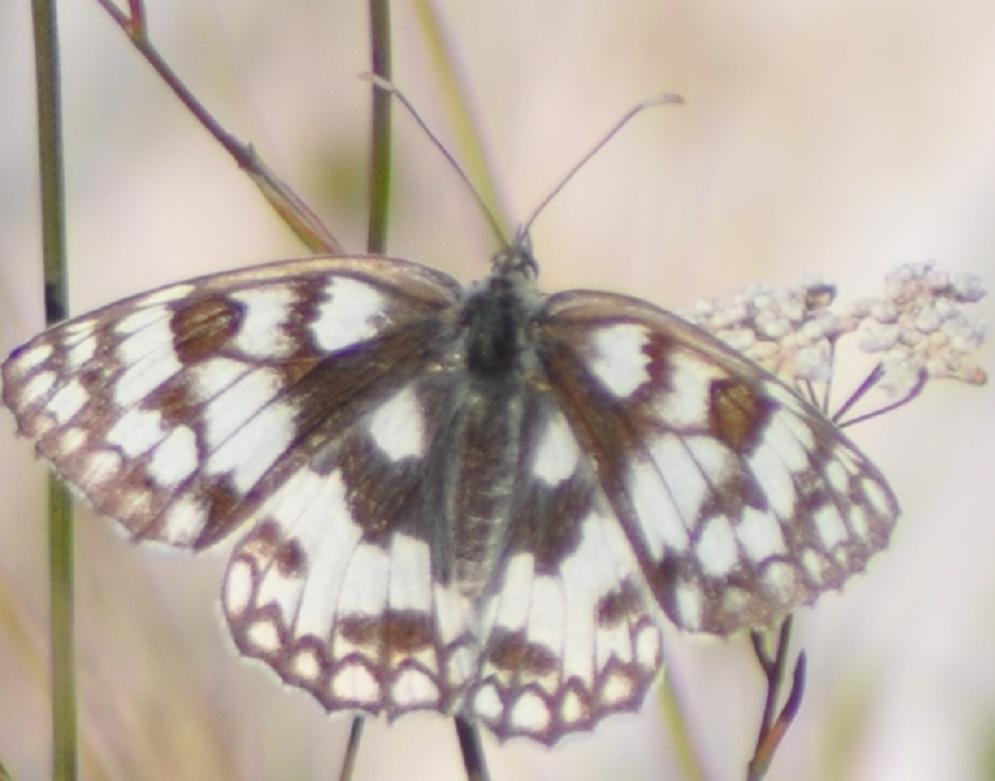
x=60, y=542
x=680, y=734
x=60, y=521
x=380, y=129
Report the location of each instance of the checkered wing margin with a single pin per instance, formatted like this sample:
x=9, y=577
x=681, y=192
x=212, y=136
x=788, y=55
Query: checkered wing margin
x=739, y=499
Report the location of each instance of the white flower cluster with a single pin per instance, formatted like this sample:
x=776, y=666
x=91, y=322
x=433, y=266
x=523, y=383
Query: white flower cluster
x=788, y=332
x=919, y=327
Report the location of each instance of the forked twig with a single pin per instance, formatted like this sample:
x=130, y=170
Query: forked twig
x=772, y=730
x=290, y=206
x=911, y=394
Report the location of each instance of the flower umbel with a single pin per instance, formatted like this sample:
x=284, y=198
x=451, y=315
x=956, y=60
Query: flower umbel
x=921, y=328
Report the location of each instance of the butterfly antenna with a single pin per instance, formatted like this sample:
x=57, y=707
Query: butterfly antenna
x=381, y=83
x=669, y=98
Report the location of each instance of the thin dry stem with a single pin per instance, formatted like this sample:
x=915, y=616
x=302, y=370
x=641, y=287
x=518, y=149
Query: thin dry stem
x=772, y=730
x=290, y=206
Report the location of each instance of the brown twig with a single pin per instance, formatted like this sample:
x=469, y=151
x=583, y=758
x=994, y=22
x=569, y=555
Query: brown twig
x=772, y=729
x=290, y=206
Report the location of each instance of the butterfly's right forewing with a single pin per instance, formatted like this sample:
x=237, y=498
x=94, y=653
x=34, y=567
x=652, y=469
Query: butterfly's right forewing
x=740, y=500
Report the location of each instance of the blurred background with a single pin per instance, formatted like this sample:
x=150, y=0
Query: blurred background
x=831, y=138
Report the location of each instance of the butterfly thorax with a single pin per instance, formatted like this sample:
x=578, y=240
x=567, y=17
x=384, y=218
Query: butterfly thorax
x=494, y=320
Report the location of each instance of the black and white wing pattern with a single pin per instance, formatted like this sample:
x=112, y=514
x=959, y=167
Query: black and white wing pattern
x=177, y=410
x=470, y=500
x=739, y=499
x=272, y=398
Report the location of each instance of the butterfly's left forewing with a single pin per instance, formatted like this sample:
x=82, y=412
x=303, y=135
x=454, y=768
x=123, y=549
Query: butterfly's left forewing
x=177, y=411
x=739, y=499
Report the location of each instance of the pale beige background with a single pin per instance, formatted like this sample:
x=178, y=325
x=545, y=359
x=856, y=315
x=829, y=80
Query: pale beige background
x=839, y=138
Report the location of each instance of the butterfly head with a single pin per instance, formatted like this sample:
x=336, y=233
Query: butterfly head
x=516, y=258
x=497, y=310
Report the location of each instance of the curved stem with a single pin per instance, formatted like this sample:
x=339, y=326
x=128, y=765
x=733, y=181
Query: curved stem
x=290, y=206
x=909, y=396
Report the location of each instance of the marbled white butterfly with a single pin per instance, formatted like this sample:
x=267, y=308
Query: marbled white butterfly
x=468, y=500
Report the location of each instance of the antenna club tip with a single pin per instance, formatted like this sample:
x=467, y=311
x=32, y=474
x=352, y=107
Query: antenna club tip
x=378, y=81
x=667, y=98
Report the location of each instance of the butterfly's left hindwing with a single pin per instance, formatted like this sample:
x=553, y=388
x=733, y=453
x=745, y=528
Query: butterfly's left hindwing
x=739, y=499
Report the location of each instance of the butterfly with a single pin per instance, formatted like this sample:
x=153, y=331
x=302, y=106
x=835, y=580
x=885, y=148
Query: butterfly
x=475, y=500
